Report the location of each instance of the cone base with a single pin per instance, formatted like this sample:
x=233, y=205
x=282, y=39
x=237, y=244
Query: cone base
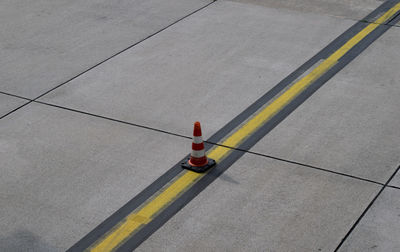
x=198, y=169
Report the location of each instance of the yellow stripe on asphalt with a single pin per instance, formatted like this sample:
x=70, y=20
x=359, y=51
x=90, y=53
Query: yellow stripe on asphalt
x=134, y=221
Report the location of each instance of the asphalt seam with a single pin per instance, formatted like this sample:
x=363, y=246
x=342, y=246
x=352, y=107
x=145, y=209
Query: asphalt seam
x=392, y=19
x=109, y=58
x=209, y=142
x=372, y=22
x=366, y=209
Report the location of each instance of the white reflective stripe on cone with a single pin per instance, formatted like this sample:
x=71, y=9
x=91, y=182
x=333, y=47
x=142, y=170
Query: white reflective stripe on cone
x=198, y=153
x=197, y=139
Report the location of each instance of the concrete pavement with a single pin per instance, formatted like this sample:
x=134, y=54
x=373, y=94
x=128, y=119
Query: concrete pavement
x=351, y=124
x=349, y=9
x=45, y=43
x=265, y=205
x=396, y=181
x=379, y=229
x=224, y=52
x=65, y=170
x=9, y=103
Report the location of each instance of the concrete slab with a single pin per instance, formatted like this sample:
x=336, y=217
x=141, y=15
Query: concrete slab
x=352, y=123
x=265, y=205
x=353, y=9
x=8, y=103
x=379, y=229
x=396, y=181
x=209, y=67
x=63, y=173
x=44, y=43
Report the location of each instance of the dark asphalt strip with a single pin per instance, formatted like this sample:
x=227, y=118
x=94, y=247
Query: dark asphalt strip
x=186, y=197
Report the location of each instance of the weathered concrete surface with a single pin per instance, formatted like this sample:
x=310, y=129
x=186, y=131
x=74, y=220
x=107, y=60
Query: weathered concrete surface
x=352, y=9
x=63, y=173
x=352, y=123
x=209, y=67
x=44, y=43
x=379, y=230
x=9, y=103
x=263, y=205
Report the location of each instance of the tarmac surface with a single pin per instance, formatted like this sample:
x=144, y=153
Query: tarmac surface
x=98, y=99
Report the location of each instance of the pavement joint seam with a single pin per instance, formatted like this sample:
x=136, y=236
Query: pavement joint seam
x=109, y=58
x=15, y=96
x=113, y=119
x=17, y=108
x=394, y=187
x=369, y=22
x=213, y=143
x=317, y=168
x=372, y=22
x=366, y=21
x=209, y=142
x=367, y=208
x=392, y=19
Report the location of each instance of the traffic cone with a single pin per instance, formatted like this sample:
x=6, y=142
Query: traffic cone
x=198, y=160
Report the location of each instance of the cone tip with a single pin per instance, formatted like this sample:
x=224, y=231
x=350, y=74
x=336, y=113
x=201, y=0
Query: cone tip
x=197, y=129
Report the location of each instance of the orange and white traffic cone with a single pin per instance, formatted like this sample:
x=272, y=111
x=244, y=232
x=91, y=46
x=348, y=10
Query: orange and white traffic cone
x=198, y=160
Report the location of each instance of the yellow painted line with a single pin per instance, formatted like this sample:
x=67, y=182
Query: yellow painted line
x=144, y=215
x=135, y=220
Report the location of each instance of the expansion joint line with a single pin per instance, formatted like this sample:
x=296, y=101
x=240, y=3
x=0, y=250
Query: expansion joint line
x=188, y=137
x=366, y=209
x=209, y=142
